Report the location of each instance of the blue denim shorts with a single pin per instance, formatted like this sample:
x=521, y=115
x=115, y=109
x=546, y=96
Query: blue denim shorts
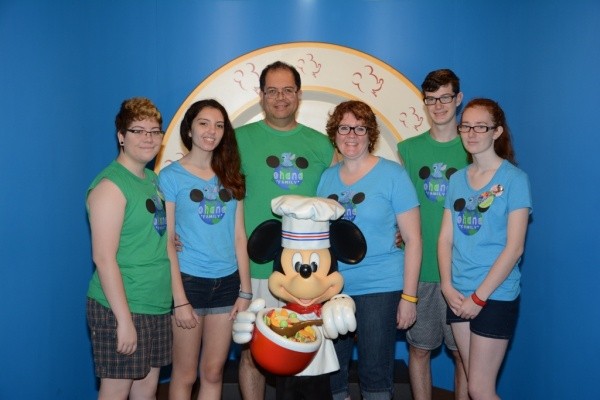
x=211, y=295
x=497, y=320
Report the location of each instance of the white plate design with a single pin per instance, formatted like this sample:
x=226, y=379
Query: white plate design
x=330, y=74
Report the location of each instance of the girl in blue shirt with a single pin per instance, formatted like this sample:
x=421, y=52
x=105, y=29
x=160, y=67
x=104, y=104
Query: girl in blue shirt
x=481, y=241
x=210, y=275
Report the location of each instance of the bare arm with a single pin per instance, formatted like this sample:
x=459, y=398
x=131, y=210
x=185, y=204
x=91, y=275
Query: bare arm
x=399, y=240
x=409, y=224
x=241, y=253
x=453, y=297
x=184, y=314
x=515, y=243
x=106, y=205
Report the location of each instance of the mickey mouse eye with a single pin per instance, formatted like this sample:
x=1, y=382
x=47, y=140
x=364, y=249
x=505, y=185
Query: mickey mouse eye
x=297, y=261
x=314, y=261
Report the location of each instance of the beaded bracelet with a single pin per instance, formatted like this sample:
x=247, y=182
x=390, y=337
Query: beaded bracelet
x=245, y=295
x=410, y=299
x=477, y=300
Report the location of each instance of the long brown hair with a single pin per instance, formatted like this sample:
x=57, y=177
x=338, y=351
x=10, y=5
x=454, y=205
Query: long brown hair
x=225, y=160
x=503, y=145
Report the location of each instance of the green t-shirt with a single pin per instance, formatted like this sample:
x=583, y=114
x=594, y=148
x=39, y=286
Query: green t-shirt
x=142, y=254
x=429, y=164
x=278, y=163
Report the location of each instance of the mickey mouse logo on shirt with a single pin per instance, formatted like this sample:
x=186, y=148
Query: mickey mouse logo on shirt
x=211, y=203
x=435, y=180
x=349, y=199
x=470, y=211
x=155, y=205
x=287, y=169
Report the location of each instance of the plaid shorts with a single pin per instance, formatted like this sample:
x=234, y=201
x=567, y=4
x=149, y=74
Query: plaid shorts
x=154, y=337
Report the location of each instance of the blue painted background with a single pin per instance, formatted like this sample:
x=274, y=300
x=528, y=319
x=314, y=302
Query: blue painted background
x=65, y=66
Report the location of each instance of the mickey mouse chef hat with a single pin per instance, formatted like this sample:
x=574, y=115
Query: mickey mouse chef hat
x=305, y=220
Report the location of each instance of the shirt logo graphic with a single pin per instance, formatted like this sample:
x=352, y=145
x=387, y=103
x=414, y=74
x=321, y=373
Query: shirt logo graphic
x=287, y=170
x=156, y=206
x=349, y=199
x=211, y=203
x=435, y=181
x=470, y=211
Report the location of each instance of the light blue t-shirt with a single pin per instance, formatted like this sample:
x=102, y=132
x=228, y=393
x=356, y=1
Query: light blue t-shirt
x=204, y=221
x=372, y=204
x=479, y=222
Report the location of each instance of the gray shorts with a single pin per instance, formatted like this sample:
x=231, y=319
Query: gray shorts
x=431, y=327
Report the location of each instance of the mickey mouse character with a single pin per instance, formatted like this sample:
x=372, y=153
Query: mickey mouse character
x=305, y=246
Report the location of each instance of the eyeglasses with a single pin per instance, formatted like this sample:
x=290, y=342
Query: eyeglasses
x=477, y=128
x=358, y=130
x=444, y=99
x=140, y=132
x=273, y=93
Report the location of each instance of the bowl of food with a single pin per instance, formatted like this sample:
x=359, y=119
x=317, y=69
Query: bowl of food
x=279, y=354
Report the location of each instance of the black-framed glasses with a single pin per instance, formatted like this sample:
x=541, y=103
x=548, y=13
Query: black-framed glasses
x=140, y=132
x=444, y=99
x=273, y=93
x=462, y=128
x=359, y=130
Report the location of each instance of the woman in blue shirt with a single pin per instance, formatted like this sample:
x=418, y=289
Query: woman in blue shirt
x=380, y=199
x=211, y=279
x=481, y=241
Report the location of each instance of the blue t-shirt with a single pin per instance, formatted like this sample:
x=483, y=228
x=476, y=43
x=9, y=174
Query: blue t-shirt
x=204, y=221
x=479, y=223
x=372, y=203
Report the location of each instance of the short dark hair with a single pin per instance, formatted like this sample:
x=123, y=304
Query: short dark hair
x=279, y=65
x=438, y=78
x=136, y=109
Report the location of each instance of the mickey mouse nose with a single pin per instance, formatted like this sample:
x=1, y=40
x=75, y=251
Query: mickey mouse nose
x=305, y=271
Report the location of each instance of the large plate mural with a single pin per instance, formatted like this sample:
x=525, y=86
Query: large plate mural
x=330, y=74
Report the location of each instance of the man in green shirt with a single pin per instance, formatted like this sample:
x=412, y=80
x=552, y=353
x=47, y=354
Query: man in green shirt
x=430, y=159
x=279, y=156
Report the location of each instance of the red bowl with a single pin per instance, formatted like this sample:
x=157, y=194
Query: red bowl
x=277, y=354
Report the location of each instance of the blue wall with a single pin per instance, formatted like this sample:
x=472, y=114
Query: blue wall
x=65, y=66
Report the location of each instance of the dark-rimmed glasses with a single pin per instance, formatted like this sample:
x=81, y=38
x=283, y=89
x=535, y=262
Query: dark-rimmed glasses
x=359, y=130
x=462, y=128
x=140, y=132
x=444, y=99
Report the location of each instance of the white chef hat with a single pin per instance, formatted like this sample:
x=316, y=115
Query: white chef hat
x=305, y=220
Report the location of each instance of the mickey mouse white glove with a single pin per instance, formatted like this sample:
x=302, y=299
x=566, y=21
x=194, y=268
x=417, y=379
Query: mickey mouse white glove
x=243, y=325
x=338, y=316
